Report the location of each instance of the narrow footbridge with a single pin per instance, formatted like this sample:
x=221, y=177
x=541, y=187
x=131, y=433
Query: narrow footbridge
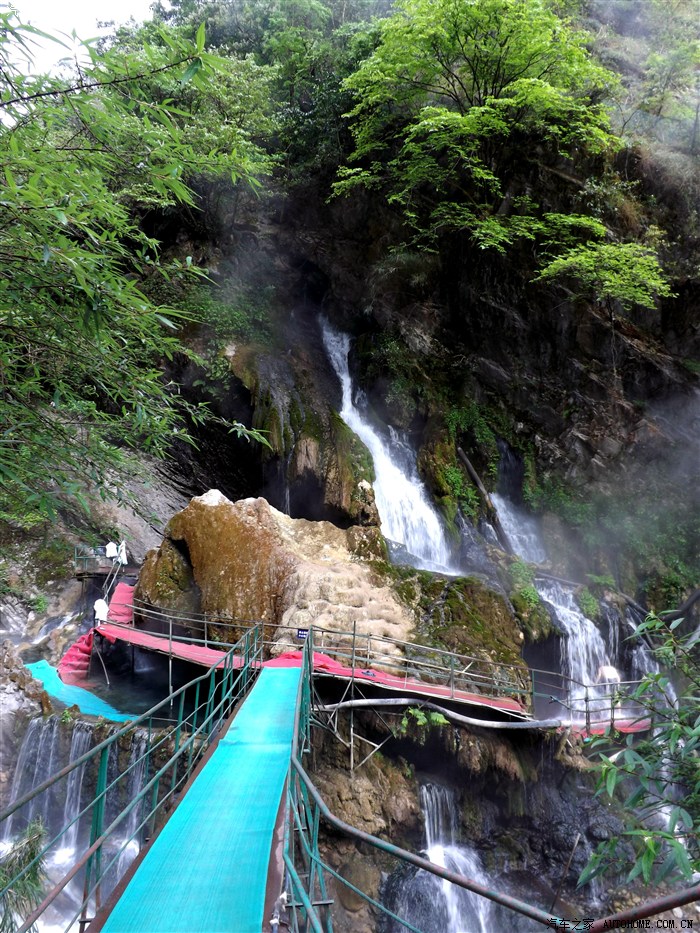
x=200, y=814
x=220, y=836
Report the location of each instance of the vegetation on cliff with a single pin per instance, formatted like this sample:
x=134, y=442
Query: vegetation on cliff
x=84, y=163
x=657, y=777
x=520, y=198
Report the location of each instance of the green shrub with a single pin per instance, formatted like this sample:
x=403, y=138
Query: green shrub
x=588, y=604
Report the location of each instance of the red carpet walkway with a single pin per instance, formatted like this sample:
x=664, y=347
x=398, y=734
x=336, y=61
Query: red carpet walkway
x=323, y=665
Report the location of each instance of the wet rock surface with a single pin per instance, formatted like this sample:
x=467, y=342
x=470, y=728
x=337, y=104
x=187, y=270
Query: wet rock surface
x=527, y=810
x=247, y=561
x=21, y=698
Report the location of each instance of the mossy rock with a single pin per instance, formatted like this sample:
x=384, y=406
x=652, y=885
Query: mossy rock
x=534, y=619
x=166, y=580
x=461, y=615
x=352, y=453
x=54, y=561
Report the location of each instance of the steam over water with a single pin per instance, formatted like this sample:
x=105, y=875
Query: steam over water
x=584, y=651
x=407, y=516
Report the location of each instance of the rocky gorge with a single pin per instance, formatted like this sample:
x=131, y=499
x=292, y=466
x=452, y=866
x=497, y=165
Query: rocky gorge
x=458, y=453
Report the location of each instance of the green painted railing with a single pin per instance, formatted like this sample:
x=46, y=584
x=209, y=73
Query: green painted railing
x=170, y=755
x=307, y=872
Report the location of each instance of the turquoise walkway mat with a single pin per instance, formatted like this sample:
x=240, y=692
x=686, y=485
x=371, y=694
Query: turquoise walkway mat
x=86, y=702
x=207, y=870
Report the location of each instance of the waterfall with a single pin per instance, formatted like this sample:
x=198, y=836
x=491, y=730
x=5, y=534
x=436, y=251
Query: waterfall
x=521, y=530
x=586, y=651
x=406, y=513
x=137, y=774
x=431, y=903
x=36, y=762
x=587, y=659
x=80, y=743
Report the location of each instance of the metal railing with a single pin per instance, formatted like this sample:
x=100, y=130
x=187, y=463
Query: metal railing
x=454, y=674
x=307, y=872
x=607, y=704
x=543, y=693
x=120, y=814
x=356, y=650
x=89, y=560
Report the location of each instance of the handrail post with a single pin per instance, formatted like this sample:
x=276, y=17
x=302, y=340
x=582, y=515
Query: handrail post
x=588, y=710
x=210, y=702
x=452, y=675
x=98, y=813
x=170, y=659
x=352, y=697
x=177, y=739
x=612, y=707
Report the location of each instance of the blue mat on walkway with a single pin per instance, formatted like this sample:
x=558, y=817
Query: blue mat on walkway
x=207, y=870
x=86, y=702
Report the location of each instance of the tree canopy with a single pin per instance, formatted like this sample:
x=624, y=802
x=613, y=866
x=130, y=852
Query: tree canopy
x=81, y=346
x=464, y=106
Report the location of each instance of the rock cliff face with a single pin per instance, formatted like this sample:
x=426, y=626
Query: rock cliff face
x=21, y=698
x=243, y=561
x=588, y=399
x=246, y=561
x=523, y=800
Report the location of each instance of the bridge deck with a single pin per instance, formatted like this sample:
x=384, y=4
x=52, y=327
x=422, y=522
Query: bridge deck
x=185, y=650
x=207, y=870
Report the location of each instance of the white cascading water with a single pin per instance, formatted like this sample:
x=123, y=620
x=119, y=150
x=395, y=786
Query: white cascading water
x=41, y=755
x=521, y=530
x=587, y=660
x=131, y=833
x=80, y=744
x=455, y=909
x=406, y=513
x=36, y=762
x=586, y=652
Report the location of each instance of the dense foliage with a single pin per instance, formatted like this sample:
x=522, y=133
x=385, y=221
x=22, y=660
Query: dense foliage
x=81, y=346
x=657, y=779
x=22, y=858
x=499, y=124
x=460, y=111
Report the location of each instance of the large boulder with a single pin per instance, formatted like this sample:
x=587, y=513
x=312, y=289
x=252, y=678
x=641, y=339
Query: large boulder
x=245, y=560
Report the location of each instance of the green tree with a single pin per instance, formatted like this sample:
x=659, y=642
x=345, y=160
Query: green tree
x=627, y=274
x=309, y=46
x=657, y=777
x=22, y=858
x=662, y=82
x=464, y=108
x=457, y=96
x=81, y=346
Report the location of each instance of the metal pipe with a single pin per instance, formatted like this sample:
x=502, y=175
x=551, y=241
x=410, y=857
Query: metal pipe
x=504, y=899
x=627, y=917
x=99, y=655
x=447, y=713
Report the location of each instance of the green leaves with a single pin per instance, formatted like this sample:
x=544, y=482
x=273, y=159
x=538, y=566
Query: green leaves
x=485, y=85
x=492, y=94
x=22, y=858
x=626, y=273
x=655, y=775
x=81, y=344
